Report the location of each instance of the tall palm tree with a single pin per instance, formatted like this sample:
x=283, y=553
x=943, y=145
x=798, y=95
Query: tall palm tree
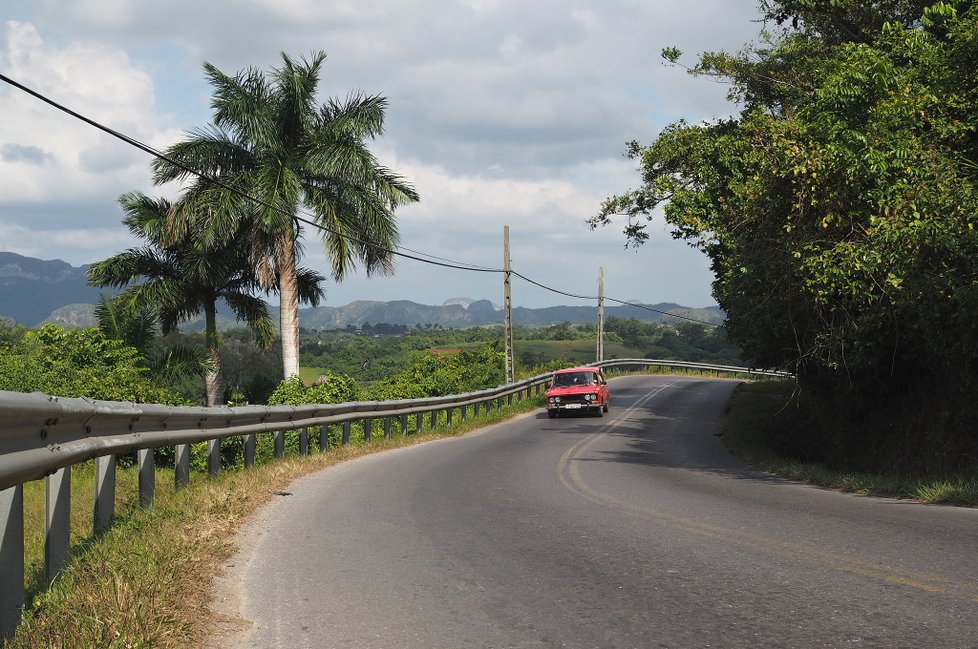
x=180, y=280
x=271, y=142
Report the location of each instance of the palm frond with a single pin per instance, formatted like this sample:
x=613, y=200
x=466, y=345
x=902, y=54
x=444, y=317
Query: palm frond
x=181, y=360
x=120, y=319
x=254, y=313
x=309, y=284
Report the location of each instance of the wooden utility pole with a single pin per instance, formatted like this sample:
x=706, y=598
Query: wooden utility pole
x=507, y=306
x=600, y=354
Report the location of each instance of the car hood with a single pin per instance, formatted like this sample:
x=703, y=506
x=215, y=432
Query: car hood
x=571, y=389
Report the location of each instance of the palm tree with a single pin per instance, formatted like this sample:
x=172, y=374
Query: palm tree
x=272, y=152
x=138, y=326
x=181, y=281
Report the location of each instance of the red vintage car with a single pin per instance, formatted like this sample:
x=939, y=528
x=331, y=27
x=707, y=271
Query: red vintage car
x=578, y=389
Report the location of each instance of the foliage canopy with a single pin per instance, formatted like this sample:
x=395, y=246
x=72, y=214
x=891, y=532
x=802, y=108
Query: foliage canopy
x=838, y=210
x=78, y=363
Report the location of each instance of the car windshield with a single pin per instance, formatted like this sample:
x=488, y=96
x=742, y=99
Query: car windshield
x=573, y=378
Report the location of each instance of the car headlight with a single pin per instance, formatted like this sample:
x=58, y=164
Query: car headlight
x=589, y=397
x=556, y=399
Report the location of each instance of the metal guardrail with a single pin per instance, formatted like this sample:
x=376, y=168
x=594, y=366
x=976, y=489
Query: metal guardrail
x=43, y=436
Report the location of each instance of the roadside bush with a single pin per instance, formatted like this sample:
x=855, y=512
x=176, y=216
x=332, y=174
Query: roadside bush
x=79, y=363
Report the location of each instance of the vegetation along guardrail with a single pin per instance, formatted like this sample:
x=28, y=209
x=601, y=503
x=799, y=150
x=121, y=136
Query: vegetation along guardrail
x=42, y=436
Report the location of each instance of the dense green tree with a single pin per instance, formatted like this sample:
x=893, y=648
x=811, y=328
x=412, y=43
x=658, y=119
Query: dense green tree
x=10, y=332
x=838, y=210
x=273, y=152
x=79, y=363
x=330, y=388
x=427, y=374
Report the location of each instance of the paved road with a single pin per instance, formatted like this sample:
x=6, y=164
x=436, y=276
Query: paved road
x=632, y=530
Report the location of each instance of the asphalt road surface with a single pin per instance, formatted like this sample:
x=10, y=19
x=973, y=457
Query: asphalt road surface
x=636, y=529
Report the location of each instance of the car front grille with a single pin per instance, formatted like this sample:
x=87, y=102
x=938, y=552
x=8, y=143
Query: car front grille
x=574, y=398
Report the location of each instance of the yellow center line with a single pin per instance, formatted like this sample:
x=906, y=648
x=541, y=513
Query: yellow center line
x=568, y=471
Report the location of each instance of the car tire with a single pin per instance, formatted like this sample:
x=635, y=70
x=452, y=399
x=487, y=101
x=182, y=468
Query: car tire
x=605, y=408
x=552, y=414
x=599, y=411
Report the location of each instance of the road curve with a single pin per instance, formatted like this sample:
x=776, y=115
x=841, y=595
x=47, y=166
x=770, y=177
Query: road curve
x=636, y=530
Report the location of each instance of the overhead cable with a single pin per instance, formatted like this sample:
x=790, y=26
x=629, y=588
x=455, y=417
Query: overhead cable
x=309, y=219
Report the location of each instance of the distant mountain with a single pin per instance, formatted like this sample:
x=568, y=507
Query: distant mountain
x=33, y=291
x=482, y=312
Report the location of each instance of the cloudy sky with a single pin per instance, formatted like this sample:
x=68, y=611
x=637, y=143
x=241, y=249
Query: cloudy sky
x=501, y=112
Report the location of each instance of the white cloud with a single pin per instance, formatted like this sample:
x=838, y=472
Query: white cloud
x=501, y=112
x=92, y=79
x=77, y=246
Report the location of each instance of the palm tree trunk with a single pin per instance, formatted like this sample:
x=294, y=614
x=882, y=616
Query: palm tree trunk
x=289, y=307
x=214, y=378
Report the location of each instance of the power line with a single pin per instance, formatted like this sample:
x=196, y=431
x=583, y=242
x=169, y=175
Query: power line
x=419, y=256
x=611, y=299
x=309, y=219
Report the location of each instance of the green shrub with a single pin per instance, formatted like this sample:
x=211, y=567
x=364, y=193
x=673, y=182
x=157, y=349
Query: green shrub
x=79, y=363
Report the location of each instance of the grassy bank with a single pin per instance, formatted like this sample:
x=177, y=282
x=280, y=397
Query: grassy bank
x=758, y=410
x=147, y=581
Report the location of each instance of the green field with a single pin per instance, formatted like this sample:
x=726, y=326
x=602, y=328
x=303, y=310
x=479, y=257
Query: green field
x=529, y=354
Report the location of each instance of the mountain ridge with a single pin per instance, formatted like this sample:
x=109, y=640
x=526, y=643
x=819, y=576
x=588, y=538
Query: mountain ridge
x=34, y=291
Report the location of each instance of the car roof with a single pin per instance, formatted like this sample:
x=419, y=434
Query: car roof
x=578, y=369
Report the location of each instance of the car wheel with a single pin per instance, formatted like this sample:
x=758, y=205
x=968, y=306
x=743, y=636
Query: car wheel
x=552, y=414
x=599, y=411
x=605, y=408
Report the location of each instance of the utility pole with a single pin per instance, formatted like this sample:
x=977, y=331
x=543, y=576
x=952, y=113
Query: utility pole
x=600, y=354
x=507, y=306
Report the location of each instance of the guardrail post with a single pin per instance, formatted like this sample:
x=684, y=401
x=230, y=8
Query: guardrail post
x=104, y=492
x=368, y=433
x=404, y=425
x=448, y=417
x=250, y=450
x=11, y=559
x=346, y=432
x=280, y=444
x=420, y=420
x=465, y=412
x=214, y=457
x=323, y=439
x=475, y=409
x=181, y=465
x=387, y=427
x=303, y=441
x=57, y=523
x=147, y=476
